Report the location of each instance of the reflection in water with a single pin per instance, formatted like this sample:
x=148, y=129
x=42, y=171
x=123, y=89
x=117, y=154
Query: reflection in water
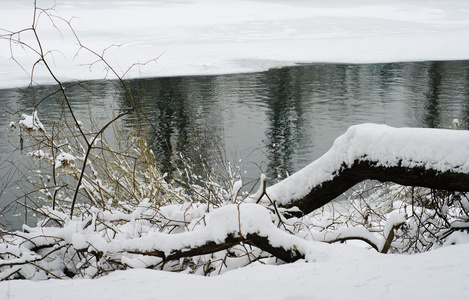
x=292, y=115
x=284, y=116
x=177, y=110
x=432, y=115
x=169, y=119
x=276, y=121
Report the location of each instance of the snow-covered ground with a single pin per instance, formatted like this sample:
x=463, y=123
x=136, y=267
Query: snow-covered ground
x=351, y=273
x=213, y=37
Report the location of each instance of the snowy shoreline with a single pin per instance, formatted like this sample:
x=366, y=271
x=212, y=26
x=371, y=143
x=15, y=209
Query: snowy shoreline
x=207, y=38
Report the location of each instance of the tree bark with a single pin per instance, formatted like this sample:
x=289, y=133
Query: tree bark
x=347, y=176
x=254, y=239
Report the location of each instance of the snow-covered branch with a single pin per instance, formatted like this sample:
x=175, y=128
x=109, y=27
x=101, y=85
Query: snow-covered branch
x=433, y=158
x=227, y=226
x=96, y=246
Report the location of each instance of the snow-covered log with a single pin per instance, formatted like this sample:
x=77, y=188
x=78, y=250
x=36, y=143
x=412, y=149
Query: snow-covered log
x=226, y=227
x=97, y=246
x=433, y=158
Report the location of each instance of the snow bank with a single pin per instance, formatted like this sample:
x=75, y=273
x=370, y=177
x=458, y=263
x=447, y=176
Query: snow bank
x=212, y=37
x=438, y=149
x=354, y=274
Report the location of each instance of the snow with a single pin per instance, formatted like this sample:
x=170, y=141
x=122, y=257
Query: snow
x=37, y=153
x=31, y=122
x=457, y=238
x=237, y=186
x=214, y=37
x=438, y=149
x=64, y=159
x=356, y=232
x=329, y=271
x=230, y=219
x=354, y=274
x=392, y=220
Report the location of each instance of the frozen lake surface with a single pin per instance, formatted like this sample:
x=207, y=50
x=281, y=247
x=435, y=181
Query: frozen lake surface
x=217, y=37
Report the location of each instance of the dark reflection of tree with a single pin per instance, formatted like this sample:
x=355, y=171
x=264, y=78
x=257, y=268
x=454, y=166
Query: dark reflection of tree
x=387, y=74
x=170, y=106
x=166, y=109
x=465, y=108
x=415, y=80
x=285, y=117
x=432, y=114
x=337, y=82
x=346, y=86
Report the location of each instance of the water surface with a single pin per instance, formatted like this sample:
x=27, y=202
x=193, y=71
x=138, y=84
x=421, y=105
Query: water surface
x=275, y=122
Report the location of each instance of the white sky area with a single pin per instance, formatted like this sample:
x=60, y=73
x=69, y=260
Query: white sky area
x=217, y=37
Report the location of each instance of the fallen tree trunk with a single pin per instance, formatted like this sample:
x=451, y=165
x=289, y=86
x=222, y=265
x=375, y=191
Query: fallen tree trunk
x=287, y=254
x=226, y=227
x=432, y=158
x=362, y=170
